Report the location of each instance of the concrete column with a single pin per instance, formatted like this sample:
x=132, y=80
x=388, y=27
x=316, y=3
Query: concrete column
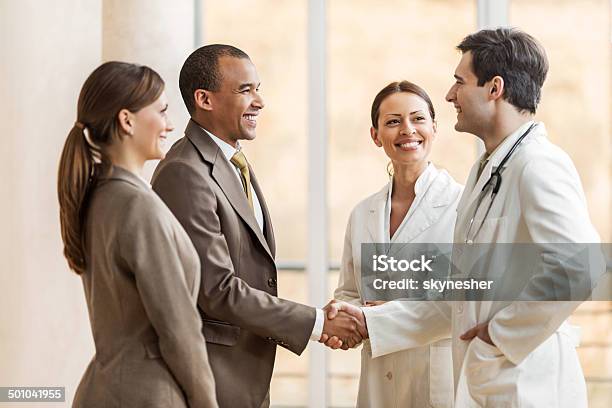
x=156, y=33
x=492, y=13
x=48, y=49
x=317, y=262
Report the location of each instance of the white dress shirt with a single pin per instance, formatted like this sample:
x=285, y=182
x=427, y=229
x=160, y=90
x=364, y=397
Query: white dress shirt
x=229, y=151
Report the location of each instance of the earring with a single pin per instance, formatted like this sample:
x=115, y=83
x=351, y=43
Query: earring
x=390, y=169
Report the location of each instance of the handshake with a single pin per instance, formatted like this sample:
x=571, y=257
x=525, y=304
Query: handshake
x=345, y=325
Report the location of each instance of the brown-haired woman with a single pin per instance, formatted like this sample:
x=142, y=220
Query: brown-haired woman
x=418, y=205
x=140, y=271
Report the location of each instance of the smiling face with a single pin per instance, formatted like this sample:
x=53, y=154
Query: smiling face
x=236, y=105
x=405, y=129
x=150, y=126
x=474, y=107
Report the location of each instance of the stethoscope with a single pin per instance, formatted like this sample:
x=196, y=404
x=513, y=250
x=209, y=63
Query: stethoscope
x=494, y=183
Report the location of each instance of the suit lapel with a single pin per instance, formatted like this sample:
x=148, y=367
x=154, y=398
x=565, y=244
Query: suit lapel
x=269, y=232
x=223, y=173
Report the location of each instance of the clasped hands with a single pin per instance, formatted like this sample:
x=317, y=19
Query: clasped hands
x=345, y=325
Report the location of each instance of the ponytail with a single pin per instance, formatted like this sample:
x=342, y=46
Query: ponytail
x=109, y=88
x=76, y=177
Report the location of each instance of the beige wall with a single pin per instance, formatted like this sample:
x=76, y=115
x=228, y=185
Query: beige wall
x=156, y=33
x=48, y=48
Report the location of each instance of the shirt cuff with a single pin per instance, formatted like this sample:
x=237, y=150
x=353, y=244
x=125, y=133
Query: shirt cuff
x=317, y=329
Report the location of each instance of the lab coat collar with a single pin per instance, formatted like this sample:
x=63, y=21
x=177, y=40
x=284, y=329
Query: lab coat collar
x=422, y=183
x=431, y=198
x=474, y=186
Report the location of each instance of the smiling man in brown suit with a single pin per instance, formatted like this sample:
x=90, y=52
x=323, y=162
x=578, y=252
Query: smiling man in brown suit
x=207, y=183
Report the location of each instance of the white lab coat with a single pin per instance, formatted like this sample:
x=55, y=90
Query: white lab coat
x=534, y=363
x=414, y=377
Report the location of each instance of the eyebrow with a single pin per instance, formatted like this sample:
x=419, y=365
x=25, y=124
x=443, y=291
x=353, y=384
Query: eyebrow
x=399, y=114
x=249, y=85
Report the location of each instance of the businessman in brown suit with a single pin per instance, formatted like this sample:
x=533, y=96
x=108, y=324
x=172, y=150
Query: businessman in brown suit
x=207, y=183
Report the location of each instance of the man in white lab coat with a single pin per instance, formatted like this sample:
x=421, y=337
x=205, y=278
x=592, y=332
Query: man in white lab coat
x=509, y=354
x=520, y=354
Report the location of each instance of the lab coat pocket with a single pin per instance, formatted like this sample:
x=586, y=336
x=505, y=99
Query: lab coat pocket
x=441, y=374
x=493, y=229
x=489, y=375
x=485, y=349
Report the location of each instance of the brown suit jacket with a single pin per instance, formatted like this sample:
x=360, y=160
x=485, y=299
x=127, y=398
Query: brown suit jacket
x=243, y=318
x=141, y=286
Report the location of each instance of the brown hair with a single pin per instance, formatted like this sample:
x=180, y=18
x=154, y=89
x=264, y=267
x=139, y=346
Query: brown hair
x=397, y=87
x=111, y=87
x=515, y=56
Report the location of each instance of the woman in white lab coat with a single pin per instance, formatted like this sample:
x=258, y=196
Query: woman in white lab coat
x=418, y=205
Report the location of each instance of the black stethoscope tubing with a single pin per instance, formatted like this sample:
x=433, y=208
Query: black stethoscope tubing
x=495, y=180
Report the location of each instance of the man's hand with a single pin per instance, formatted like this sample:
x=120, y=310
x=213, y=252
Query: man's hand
x=350, y=315
x=370, y=303
x=481, y=331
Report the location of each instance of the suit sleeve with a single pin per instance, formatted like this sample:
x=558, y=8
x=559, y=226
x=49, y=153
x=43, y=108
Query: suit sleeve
x=554, y=210
x=148, y=246
x=223, y=295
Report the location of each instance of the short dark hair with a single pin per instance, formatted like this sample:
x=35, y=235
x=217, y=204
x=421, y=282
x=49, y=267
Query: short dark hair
x=201, y=70
x=515, y=56
x=397, y=87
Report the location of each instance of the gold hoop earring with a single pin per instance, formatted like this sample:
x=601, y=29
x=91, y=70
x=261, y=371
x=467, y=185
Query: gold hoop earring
x=390, y=169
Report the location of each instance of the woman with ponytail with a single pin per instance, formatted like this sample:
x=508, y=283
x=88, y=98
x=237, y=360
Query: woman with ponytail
x=140, y=271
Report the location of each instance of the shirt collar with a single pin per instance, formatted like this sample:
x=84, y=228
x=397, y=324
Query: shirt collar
x=227, y=149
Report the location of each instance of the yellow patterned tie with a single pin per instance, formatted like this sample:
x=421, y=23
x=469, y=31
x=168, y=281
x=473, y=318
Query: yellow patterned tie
x=239, y=160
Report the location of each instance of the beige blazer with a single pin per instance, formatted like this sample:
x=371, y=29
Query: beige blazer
x=393, y=373
x=141, y=286
x=243, y=318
